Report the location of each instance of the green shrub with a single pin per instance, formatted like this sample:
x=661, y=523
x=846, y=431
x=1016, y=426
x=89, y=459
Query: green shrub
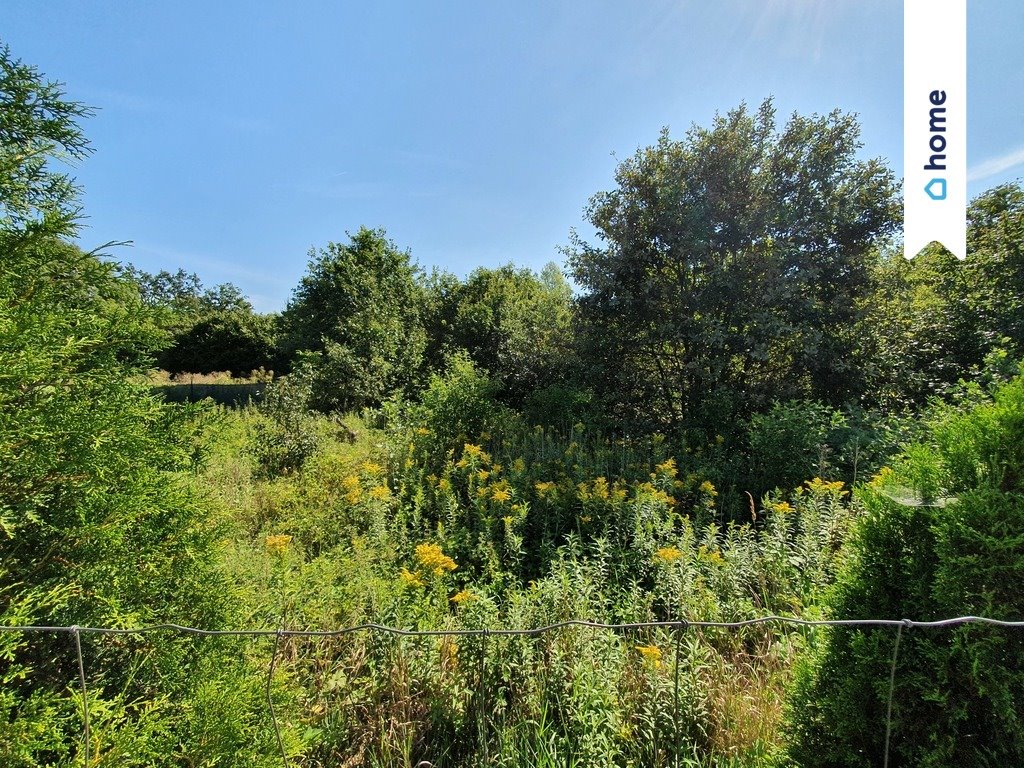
x=958, y=690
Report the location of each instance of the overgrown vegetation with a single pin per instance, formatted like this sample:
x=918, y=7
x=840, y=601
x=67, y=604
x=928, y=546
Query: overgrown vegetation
x=691, y=437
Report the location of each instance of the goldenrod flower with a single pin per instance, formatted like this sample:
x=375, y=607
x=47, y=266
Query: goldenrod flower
x=500, y=495
x=430, y=557
x=353, y=490
x=463, y=596
x=667, y=467
x=712, y=556
x=651, y=654
x=277, y=544
x=544, y=488
x=380, y=492
x=409, y=579
x=668, y=554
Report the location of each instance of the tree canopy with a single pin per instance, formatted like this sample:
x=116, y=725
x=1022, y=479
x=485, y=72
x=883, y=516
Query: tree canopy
x=730, y=265
x=355, y=316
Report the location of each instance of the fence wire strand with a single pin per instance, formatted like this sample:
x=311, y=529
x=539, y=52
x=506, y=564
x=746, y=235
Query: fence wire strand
x=532, y=632
x=677, y=626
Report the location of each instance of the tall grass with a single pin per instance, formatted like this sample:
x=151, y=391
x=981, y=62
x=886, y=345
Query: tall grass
x=526, y=531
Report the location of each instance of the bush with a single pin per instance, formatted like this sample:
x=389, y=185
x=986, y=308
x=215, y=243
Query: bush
x=958, y=691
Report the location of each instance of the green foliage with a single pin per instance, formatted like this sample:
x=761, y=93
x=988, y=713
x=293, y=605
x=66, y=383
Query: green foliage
x=512, y=323
x=730, y=269
x=355, y=316
x=934, y=320
x=956, y=692
x=800, y=439
x=288, y=434
x=338, y=543
x=99, y=524
x=240, y=342
x=210, y=329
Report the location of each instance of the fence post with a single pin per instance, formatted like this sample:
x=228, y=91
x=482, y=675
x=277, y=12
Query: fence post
x=892, y=687
x=482, y=723
x=270, y=698
x=680, y=628
x=76, y=633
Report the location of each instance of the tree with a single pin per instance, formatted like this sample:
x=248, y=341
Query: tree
x=183, y=292
x=354, y=320
x=239, y=342
x=511, y=322
x=934, y=320
x=209, y=329
x=730, y=268
x=96, y=526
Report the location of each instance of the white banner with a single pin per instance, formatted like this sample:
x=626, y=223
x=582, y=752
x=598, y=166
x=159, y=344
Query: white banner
x=935, y=125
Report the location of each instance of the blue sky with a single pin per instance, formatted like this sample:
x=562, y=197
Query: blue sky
x=232, y=137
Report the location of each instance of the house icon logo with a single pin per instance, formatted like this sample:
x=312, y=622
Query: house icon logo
x=936, y=189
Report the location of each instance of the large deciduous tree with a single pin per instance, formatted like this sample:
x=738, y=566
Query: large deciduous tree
x=355, y=321
x=729, y=268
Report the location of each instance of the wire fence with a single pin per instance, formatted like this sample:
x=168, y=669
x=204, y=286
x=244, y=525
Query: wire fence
x=677, y=627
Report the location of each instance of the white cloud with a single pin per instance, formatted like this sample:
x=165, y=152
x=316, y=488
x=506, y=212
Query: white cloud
x=996, y=165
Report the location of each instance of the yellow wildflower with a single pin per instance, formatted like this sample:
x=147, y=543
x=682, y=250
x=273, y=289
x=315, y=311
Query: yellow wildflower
x=712, y=556
x=353, y=490
x=500, y=495
x=667, y=467
x=668, y=554
x=277, y=544
x=482, y=475
x=431, y=557
x=519, y=465
x=409, y=579
x=372, y=468
x=651, y=654
x=708, y=488
x=422, y=431
x=818, y=486
x=463, y=596
x=543, y=488
x=380, y=492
